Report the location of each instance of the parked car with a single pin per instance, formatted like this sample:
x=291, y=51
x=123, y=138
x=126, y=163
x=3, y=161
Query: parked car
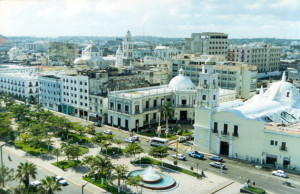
x=280, y=173
x=97, y=124
x=35, y=183
x=217, y=164
x=108, y=132
x=196, y=154
x=61, y=180
x=130, y=140
x=216, y=158
x=179, y=156
x=136, y=138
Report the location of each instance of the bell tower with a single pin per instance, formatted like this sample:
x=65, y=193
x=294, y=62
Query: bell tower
x=206, y=104
x=127, y=47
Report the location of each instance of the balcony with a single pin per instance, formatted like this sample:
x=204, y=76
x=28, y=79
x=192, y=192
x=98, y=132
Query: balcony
x=235, y=134
x=224, y=133
x=215, y=131
x=283, y=148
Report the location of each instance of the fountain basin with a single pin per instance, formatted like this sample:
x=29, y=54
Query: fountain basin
x=166, y=182
x=153, y=179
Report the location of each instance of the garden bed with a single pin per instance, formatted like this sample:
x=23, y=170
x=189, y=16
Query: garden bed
x=253, y=189
x=105, y=186
x=112, y=150
x=33, y=150
x=75, y=137
x=147, y=160
x=66, y=164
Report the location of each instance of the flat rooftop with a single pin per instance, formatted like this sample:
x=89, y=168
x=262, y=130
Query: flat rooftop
x=293, y=128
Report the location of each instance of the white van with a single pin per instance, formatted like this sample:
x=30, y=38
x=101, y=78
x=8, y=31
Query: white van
x=155, y=141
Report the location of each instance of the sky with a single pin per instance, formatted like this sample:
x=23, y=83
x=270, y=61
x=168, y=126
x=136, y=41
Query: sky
x=165, y=18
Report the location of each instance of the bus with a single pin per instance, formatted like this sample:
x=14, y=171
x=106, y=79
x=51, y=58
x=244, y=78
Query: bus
x=158, y=142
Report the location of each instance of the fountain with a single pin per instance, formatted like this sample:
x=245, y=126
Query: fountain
x=154, y=180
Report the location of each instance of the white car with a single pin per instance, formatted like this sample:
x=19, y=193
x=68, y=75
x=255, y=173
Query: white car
x=108, y=132
x=35, y=183
x=217, y=164
x=61, y=180
x=280, y=173
x=179, y=156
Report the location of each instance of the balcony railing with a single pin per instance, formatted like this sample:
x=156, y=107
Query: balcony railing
x=224, y=133
x=235, y=134
x=215, y=131
x=283, y=148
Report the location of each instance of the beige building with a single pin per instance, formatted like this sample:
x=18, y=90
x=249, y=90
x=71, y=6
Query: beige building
x=264, y=129
x=238, y=76
x=207, y=43
x=265, y=57
x=62, y=53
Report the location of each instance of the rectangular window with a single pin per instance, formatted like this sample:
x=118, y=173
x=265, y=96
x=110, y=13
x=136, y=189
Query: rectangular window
x=154, y=116
x=183, y=102
x=272, y=142
x=119, y=107
x=203, y=97
x=111, y=105
x=126, y=108
x=283, y=146
x=137, y=108
x=214, y=97
x=225, y=130
x=215, y=127
x=235, y=130
x=147, y=104
x=154, y=103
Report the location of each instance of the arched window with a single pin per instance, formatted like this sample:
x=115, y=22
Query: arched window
x=288, y=94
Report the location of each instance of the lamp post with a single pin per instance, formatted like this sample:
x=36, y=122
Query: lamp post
x=159, y=127
x=82, y=187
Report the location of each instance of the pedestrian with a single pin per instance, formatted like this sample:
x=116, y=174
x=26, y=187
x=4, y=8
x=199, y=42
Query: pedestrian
x=253, y=183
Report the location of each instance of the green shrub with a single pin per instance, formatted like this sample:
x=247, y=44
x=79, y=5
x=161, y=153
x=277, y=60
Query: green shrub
x=64, y=164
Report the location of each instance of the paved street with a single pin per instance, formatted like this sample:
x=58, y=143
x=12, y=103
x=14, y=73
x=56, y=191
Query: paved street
x=41, y=173
x=236, y=170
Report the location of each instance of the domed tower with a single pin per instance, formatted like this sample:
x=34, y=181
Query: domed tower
x=91, y=52
x=119, y=57
x=206, y=104
x=127, y=46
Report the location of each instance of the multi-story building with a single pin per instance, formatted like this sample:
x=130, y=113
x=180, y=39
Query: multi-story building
x=75, y=95
x=206, y=43
x=294, y=77
x=50, y=92
x=62, y=53
x=14, y=53
x=265, y=57
x=127, y=48
x=7, y=68
x=21, y=86
x=238, y=76
x=165, y=53
x=262, y=129
x=140, y=53
x=138, y=108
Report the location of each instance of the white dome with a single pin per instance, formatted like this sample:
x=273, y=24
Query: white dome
x=181, y=82
x=282, y=91
x=91, y=48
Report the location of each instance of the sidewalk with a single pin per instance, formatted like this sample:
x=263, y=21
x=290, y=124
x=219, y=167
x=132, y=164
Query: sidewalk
x=69, y=175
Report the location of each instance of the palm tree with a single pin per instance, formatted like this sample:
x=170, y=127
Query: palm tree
x=121, y=172
x=167, y=111
x=133, y=149
x=159, y=152
x=135, y=181
x=25, y=171
x=99, y=165
x=57, y=152
x=6, y=175
x=119, y=142
x=49, y=184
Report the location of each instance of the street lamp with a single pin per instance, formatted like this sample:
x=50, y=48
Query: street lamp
x=82, y=187
x=159, y=127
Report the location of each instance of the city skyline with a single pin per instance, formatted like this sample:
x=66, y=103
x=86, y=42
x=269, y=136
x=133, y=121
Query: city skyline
x=178, y=19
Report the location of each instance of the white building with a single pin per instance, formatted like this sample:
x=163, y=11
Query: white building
x=165, y=53
x=207, y=43
x=75, y=95
x=14, y=53
x=119, y=58
x=262, y=129
x=92, y=56
x=128, y=47
x=17, y=69
x=265, y=57
x=138, y=108
x=20, y=86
